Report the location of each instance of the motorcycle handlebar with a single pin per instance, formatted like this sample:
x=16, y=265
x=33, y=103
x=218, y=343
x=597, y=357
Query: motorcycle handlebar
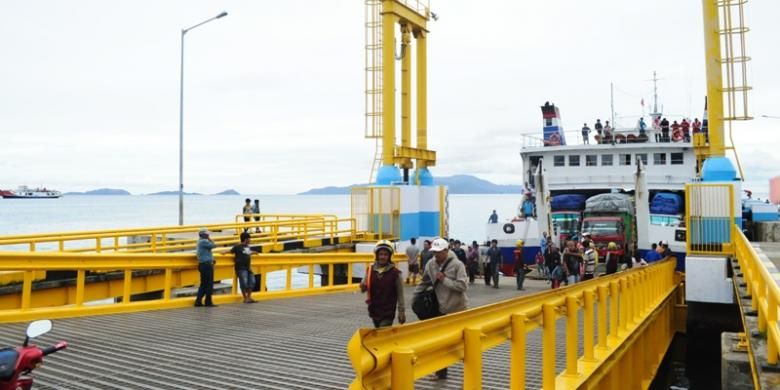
x=54, y=348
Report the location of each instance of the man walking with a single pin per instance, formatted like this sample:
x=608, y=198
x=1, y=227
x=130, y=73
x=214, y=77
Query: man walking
x=205, y=267
x=412, y=254
x=447, y=276
x=426, y=254
x=383, y=287
x=494, y=260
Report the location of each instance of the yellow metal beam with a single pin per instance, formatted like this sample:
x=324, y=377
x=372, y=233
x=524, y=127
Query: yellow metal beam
x=406, y=86
x=401, y=154
x=714, y=71
x=404, y=14
x=422, y=94
x=389, y=20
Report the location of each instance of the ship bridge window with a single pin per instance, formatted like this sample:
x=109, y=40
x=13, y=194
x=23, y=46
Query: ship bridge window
x=659, y=158
x=574, y=161
x=677, y=159
x=606, y=160
x=643, y=157
x=548, y=121
x=625, y=159
x=665, y=220
x=591, y=160
x=559, y=161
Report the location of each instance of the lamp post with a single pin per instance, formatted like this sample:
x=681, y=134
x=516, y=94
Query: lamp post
x=181, y=117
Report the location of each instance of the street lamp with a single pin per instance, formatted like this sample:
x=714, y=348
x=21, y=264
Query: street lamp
x=181, y=118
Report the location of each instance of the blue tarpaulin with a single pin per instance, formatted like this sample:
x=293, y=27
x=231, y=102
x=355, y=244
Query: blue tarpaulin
x=568, y=202
x=666, y=203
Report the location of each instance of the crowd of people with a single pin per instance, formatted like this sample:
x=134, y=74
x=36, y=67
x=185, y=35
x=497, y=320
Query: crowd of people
x=579, y=259
x=661, y=131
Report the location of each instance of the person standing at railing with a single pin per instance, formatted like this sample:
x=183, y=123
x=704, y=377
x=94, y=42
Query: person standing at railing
x=664, y=130
x=256, y=212
x=383, y=287
x=447, y=276
x=247, y=211
x=243, y=267
x=585, y=133
x=598, y=126
x=205, y=267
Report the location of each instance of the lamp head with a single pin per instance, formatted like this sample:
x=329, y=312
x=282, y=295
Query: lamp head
x=222, y=14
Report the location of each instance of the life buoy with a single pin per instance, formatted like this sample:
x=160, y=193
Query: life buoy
x=677, y=135
x=555, y=139
x=509, y=228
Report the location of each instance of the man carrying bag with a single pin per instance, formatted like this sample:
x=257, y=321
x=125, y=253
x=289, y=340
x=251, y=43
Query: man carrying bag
x=444, y=282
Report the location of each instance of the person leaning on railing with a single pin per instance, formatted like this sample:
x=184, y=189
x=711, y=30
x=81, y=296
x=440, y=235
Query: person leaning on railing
x=205, y=267
x=449, y=280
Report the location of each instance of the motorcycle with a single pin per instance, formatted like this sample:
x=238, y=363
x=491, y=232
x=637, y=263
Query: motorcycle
x=16, y=364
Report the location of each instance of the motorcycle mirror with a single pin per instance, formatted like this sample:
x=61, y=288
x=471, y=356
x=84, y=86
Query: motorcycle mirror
x=37, y=328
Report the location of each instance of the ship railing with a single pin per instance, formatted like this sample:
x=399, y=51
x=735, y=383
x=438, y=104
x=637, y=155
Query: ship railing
x=271, y=231
x=764, y=292
x=625, y=316
x=139, y=275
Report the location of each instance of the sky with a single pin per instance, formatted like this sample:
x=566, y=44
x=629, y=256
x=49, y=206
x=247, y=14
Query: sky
x=274, y=104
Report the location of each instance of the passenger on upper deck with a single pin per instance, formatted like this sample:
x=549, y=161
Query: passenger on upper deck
x=686, y=130
x=664, y=130
x=598, y=128
x=677, y=134
x=585, y=133
x=642, y=126
x=696, y=126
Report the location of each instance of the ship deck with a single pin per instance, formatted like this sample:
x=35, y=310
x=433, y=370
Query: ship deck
x=297, y=343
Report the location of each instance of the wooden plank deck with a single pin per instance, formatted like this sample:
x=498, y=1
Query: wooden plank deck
x=297, y=343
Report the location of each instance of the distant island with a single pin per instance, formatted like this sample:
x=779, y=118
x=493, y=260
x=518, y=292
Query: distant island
x=173, y=193
x=458, y=184
x=101, y=191
x=117, y=191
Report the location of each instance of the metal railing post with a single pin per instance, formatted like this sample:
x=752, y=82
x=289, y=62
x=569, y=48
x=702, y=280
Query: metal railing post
x=517, y=358
x=472, y=358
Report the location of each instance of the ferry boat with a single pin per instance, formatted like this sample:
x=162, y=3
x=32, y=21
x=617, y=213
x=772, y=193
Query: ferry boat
x=561, y=177
x=24, y=192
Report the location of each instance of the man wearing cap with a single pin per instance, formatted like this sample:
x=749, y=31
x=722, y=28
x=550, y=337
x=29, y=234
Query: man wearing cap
x=447, y=275
x=383, y=287
x=206, y=268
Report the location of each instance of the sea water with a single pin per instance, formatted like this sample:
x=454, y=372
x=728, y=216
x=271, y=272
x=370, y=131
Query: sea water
x=468, y=214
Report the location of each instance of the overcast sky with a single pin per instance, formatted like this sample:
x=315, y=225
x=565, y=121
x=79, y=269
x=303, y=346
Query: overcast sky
x=89, y=90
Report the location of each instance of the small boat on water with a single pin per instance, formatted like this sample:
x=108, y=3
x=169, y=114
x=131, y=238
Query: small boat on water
x=24, y=192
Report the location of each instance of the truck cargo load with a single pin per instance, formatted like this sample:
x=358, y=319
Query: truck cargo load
x=666, y=203
x=568, y=202
x=609, y=203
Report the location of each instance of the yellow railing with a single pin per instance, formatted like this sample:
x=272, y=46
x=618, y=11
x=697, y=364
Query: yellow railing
x=763, y=289
x=273, y=229
x=170, y=271
x=624, y=339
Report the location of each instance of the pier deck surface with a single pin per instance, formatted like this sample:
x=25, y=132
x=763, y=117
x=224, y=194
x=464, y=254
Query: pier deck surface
x=771, y=250
x=297, y=343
